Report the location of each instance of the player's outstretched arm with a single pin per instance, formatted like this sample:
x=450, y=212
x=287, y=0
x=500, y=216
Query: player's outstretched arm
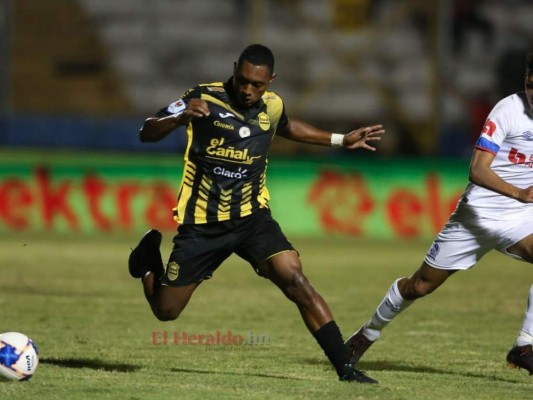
x=301, y=131
x=155, y=129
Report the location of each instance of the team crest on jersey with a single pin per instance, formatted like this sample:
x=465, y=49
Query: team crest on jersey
x=172, y=271
x=244, y=131
x=527, y=135
x=434, y=250
x=264, y=121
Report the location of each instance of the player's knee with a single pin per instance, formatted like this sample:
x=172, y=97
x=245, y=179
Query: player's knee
x=421, y=288
x=298, y=288
x=166, y=313
x=522, y=249
x=526, y=254
x=299, y=281
x=413, y=288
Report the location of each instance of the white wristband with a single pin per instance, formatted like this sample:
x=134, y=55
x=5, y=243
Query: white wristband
x=337, y=139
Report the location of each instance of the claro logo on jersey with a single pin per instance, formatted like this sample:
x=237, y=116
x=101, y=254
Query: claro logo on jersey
x=218, y=151
x=239, y=174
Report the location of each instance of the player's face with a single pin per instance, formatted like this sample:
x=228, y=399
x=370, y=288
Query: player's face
x=250, y=82
x=529, y=90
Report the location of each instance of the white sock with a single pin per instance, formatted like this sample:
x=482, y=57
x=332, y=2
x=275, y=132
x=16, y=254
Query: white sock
x=526, y=332
x=388, y=309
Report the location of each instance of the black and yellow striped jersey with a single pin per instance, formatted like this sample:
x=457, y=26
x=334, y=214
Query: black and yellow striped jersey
x=225, y=161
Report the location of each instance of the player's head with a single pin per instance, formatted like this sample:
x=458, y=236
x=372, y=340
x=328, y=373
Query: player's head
x=529, y=79
x=257, y=54
x=253, y=72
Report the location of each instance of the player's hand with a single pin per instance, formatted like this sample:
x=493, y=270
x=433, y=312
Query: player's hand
x=196, y=108
x=359, y=138
x=526, y=195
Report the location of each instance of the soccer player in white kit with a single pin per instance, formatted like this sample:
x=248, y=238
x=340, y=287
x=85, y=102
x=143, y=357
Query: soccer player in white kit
x=494, y=212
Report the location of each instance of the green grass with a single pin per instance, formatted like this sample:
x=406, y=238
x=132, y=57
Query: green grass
x=73, y=296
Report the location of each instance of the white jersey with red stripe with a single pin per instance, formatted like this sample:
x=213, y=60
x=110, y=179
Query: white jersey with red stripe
x=508, y=134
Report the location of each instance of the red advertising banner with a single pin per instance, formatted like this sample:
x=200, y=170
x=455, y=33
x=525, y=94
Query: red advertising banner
x=89, y=193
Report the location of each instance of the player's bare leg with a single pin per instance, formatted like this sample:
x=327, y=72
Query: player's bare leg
x=521, y=354
x=523, y=249
x=166, y=302
x=423, y=282
x=145, y=262
x=400, y=295
x=285, y=271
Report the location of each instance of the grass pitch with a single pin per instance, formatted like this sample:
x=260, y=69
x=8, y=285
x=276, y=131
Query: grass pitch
x=98, y=340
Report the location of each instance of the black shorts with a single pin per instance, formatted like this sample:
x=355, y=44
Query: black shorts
x=200, y=249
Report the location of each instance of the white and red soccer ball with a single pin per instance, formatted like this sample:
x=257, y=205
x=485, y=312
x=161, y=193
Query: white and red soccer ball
x=18, y=356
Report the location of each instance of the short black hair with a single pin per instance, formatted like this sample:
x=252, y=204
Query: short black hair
x=257, y=54
x=529, y=64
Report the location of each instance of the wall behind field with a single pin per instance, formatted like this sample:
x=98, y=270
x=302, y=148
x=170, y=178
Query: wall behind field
x=98, y=193
x=428, y=70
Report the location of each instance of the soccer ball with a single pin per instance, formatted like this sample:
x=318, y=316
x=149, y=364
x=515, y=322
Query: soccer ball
x=18, y=357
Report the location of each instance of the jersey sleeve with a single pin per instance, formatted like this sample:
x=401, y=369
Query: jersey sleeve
x=276, y=110
x=283, y=119
x=180, y=104
x=496, y=128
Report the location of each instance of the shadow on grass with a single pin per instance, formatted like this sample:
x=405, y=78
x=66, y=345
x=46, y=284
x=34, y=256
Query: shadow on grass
x=372, y=366
x=200, y=371
x=391, y=366
x=89, y=363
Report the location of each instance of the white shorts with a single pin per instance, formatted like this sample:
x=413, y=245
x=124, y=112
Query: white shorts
x=467, y=237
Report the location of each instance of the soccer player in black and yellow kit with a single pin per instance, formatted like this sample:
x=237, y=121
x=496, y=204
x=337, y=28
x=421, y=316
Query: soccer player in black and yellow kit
x=222, y=206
